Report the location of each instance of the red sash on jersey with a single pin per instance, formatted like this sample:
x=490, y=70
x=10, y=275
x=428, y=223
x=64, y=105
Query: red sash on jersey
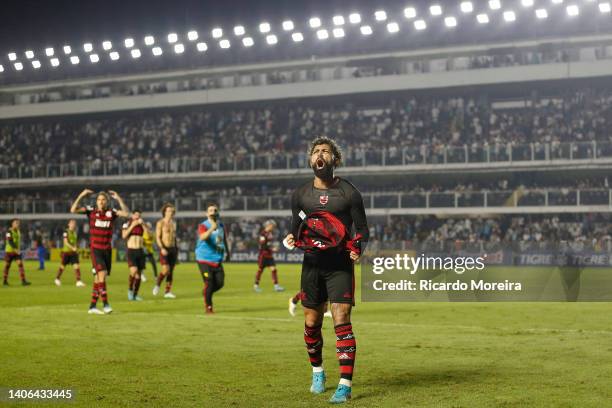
x=322, y=231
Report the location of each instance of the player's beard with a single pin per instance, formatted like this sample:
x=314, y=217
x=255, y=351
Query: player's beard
x=323, y=169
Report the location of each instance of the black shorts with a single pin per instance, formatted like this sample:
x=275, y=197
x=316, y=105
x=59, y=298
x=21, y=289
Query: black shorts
x=9, y=257
x=101, y=259
x=169, y=259
x=208, y=271
x=265, y=261
x=70, y=258
x=327, y=278
x=136, y=258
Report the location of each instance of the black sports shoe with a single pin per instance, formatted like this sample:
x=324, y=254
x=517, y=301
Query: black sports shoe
x=5, y=283
x=26, y=283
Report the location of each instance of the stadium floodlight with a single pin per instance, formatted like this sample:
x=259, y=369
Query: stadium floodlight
x=1, y=68
x=380, y=15
x=410, y=12
x=393, y=27
x=239, y=30
x=572, y=10
x=135, y=53
x=179, y=48
x=192, y=35
x=338, y=20
x=264, y=27
x=67, y=50
x=509, y=15
x=36, y=64
x=248, y=41
x=114, y=55
x=420, y=24
x=435, y=10
x=494, y=4
x=94, y=58
x=450, y=21
x=201, y=46
x=18, y=66
x=107, y=45
x=29, y=54
x=338, y=32
x=172, y=38
x=271, y=39
x=527, y=3
x=466, y=7
x=366, y=30
x=157, y=51
x=88, y=47
x=74, y=60
x=217, y=32
x=557, y=1
x=541, y=14
x=225, y=44
x=297, y=37
x=12, y=56
x=129, y=42
x=354, y=18
x=314, y=22
x=288, y=25
x=482, y=18
x=322, y=34
x=49, y=51
x=54, y=62
x=149, y=40
x=604, y=7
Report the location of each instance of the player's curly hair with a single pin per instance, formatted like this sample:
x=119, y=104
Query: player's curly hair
x=336, y=151
x=166, y=206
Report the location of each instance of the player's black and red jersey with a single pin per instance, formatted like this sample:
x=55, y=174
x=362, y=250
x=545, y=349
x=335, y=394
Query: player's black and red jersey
x=137, y=230
x=265, y=241
x=101, y=224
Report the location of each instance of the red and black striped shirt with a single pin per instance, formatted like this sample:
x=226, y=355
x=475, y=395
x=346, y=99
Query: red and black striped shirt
x=101, y=225
x=137, y=230
x=265, y=241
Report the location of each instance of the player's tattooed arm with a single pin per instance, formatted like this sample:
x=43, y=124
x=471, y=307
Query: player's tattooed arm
x=75, y=208
x=361, y=224
x=124, y=211
x=158, y=237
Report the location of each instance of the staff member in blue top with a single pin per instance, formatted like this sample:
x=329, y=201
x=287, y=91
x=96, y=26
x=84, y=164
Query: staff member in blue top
x=211, y=249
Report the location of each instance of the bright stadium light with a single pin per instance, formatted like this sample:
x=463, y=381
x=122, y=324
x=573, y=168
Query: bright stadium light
x=541, y=14
x=450, y=21
x=322, y=34
x=114, y=55
x=572, y=10
x=135, y=53
x=338, y=20
x=248, y=41
x=314, y=22
x=192, y=35
x=420, y=24
x=527, y=3
x=288, y=25
x=36, y=64
x=67, y=50
x=172, y=38
x=297, y=37
x=157, y=51
x=466, y=7
x=239, y=30
x=338, y=32
x=225, y=44
x=380, y=15
x=179, y=48
x=29, y=54
x=107, y=45
x=557, y=1
x=366, y=30
x=354, y=18
x=12, y=56
x=74, y=60
x=217, y=32
x=201, y=46
x=149, y=40
x=494, y=4
x=435, y=10
x=271, y=39
x=18, y=66
x=49, y=51
x=94, y=58
x=604, y=7
x=393, y=27
x=410, y=12
x=54, y=62
x=1, y=68
x=482, y=18
x=128, y=42
x=509, y=16
x=88, y=47
x=264, y=28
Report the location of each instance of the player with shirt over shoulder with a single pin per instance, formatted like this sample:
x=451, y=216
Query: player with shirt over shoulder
x=133, y=231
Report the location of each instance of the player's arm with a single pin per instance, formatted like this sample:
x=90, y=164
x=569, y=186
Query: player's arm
x=124, y=211
x=76, y=208
x=11, y=239
x=205, y=232
x=158, y=238
x=127, y=230
x=361, y=223
x=67, y=244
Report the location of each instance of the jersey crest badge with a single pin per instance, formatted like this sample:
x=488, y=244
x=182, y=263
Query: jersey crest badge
x=323, y=199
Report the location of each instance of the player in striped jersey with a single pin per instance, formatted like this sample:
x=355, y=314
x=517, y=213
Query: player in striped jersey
x=101, y=223
x=12, y=252
x=70, y=256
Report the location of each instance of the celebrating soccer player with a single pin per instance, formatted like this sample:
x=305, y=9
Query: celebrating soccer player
x=70, y=256
x=133, y=231
x=101, y=223
x=324, y=210
x=147, y=239
x=12, y=252
x=266, y=258
x=165, y=232
x=211, y=249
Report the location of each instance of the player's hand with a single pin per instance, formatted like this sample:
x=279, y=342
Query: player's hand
x=113, y=194
x=86, y=192
x=139, y=221
x=213, y=225
x=164, y=252
x=289, y=241
x=354, y=257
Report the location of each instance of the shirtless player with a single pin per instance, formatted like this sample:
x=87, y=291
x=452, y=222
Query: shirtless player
x=165, y=233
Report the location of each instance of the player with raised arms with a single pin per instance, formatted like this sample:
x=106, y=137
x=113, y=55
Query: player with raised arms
x=266, y=257
x=101, y=224
x=323, y=213
x=165, y=233
x=70, y=255
x=12, y=252
x=132, y=232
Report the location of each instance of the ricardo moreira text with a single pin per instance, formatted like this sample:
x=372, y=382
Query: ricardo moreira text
x=412, y=264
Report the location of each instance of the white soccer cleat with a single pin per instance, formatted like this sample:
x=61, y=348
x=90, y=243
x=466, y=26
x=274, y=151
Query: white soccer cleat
x=327, y=314
x=278, y=288
x=257, y=289
x=58, y=282
x=137, y=298
x=292, y=307
x=169, y=295
x=156, y=290
x=143, y=277
x=93, y=310
x=107, y=309
x=80, y=284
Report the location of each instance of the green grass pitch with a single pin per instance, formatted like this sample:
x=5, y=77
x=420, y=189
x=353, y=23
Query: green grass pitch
x=167, y=353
